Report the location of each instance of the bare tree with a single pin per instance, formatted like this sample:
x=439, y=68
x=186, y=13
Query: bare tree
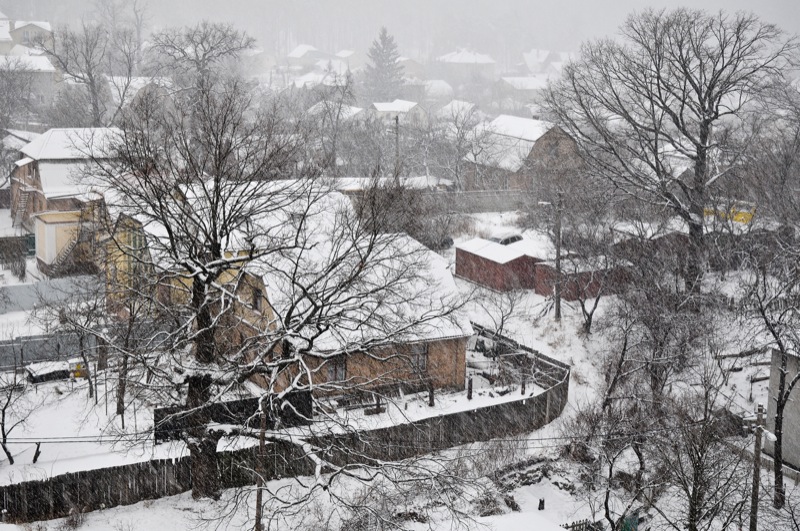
x=16, y=405
x=198, y=50
x=771, y=302
x=770, y=285
x=658, y=113
x=707, y=473
x=95, y=62
x=15, y=91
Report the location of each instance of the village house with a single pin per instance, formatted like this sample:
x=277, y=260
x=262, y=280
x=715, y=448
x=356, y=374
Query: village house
x=305, y=57
x=430, y=352
x=464, y=66
x=42, y=75
x=411, y=69
x=514, y=93
x=546, y=62
x=22, y=33
x=30, y=32
x=521, y=154
x=50, y=192
x=355, y=61
x=406, y=112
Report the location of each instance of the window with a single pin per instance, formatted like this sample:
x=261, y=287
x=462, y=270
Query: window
x=419, y=357
x=258, y=296
x=337, y=369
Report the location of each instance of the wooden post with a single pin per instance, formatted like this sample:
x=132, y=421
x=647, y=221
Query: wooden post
x=430, y=395
x=756, y=469
x=469, y=388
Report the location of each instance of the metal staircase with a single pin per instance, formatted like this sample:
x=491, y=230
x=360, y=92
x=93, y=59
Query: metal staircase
x=22, y=206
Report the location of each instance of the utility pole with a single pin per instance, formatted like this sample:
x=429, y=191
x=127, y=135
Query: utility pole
x=756, y=469
x=559, y=208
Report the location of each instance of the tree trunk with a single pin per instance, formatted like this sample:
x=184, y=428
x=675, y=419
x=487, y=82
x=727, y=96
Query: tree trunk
x=695, y=261
x=779, y=497
x=86, y=370
x=122, y=386
x=204, y=344
x=5, y=434
x=205, y=472
x=8, y=454
x=202, y=445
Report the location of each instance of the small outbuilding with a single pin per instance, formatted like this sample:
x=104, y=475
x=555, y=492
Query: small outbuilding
x=502, y=267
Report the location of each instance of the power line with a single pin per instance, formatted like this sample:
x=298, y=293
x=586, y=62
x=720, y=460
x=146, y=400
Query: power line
x=135, y=436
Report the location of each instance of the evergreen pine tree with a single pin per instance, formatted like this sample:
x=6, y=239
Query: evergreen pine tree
x=384, y=76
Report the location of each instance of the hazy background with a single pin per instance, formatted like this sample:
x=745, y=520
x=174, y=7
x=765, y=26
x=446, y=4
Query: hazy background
x=423, y=28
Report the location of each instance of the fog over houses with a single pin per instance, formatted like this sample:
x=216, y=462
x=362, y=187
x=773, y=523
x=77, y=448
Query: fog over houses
x=414, y=265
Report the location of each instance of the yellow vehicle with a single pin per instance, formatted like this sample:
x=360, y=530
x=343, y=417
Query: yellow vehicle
x=738, y=212
x=77, y=368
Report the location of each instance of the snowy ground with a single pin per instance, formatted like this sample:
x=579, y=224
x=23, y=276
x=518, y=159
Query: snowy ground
x=532, y=323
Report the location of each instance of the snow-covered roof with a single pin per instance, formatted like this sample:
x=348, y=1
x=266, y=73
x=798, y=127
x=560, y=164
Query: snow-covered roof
x=30, y=136
x=17, y=139
x=503, y=152
x=47, y=367
x=535, y=59
x=522, y=128
x=332, y=65
x=20, y=49
x=60, y=179
x=415, y=307
x=70, y=143
x=26, y=63
x=345, y=112
x=508, y=141
x=438, y=88
x=527, y=83
x=312, y=79
x=19, y=24
x=538, y=247
x=465, y=57
x=301, y=50
x=399, y=106
x=127, y=88
x=23, y=162
x=455, y=109
x=344, y=54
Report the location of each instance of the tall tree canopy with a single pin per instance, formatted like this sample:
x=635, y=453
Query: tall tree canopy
x=384, y=76
x=660, y=110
